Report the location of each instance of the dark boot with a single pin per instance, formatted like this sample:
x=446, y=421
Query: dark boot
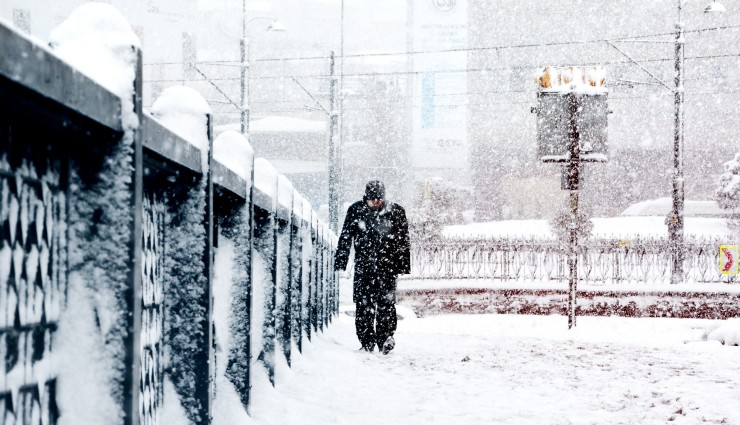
x=388, y=345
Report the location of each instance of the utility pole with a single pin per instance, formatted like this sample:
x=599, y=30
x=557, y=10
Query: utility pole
x=573, y=176
x=339, y=171
x=333, y=149
x=410, y=83
x=676, y=221
x=244, y=74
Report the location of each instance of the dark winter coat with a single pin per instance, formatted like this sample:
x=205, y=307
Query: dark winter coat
x=381, y=240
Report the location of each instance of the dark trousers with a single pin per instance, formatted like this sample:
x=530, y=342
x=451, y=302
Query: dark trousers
x=375, y=313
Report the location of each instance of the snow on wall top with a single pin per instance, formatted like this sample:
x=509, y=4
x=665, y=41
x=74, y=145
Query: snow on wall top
x=285, y=192
x=298, y=204
x=265, y=177
x=234, y=151
x=183, y=110
x=99, y=42
x=590, y=80
x=307, y=211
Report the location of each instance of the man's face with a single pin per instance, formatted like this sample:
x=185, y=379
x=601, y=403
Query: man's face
x=375, y=204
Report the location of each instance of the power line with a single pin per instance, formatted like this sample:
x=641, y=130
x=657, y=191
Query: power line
x=483, y=93
x=484, y=69
x=495, y=103
x=461, y=49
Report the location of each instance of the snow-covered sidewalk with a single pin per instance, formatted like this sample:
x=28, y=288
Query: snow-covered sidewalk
x=508, y=369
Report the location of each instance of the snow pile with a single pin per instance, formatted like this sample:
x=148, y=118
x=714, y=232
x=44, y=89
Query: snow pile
x=298, y=201
x=234, y=151
x=84, y=384
x=263, y=329
x=728, y=333
x=98, y=41
x=662, y=207
x=285, y=192
x=184, y=111
x=100, y=220
x=227, y=405
x=172, y=411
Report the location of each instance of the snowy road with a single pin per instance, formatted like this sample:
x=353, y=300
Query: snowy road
x=488, y=369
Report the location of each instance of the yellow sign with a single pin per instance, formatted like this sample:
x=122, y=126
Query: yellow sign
x=728, y=258
x=623, y=243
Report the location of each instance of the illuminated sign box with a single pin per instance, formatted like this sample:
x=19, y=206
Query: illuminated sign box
x=569, y=95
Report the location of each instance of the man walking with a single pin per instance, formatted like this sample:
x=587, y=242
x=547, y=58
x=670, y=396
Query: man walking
x=380, y=233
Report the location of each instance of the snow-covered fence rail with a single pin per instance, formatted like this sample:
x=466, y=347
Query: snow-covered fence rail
x=137, y=271
x=601, y=261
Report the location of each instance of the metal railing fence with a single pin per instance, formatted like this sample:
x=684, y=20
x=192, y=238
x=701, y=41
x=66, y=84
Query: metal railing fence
x=601, y=261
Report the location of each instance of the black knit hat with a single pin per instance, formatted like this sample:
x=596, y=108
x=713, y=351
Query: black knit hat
x=375, y=190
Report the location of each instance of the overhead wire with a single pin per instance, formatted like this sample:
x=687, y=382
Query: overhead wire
x=402, y=73
x=465, y=70
x=463, y=49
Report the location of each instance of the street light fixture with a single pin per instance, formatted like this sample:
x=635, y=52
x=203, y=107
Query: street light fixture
x=675, y=220
x=714, y=7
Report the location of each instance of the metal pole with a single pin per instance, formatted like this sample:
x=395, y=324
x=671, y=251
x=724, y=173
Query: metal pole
x=410, y=86
x=339, y=172
x=244, y=73
x=132, y=378
x=573, y=181
x=675, y=220
x=333, y=147
x=208, y=260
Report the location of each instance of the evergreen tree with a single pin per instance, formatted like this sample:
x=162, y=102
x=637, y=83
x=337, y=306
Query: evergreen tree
x=728, y=192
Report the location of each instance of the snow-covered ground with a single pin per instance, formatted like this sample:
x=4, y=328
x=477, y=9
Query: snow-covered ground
x=506, y=369
x=511, y=369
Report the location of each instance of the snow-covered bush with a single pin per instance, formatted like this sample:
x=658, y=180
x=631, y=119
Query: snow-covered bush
x=560, y=225
x=728, y=191
x=424, y=224
x=441, y=205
